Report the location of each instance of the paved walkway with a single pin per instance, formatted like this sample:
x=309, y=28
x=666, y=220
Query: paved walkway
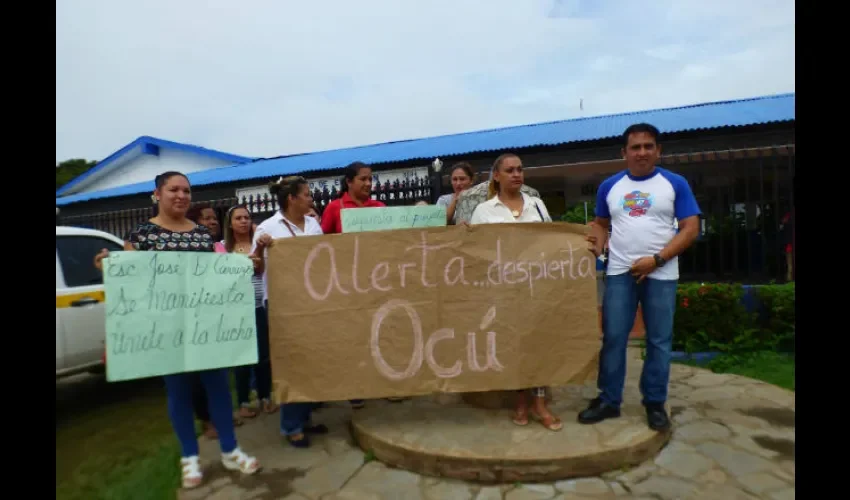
x=733, y=439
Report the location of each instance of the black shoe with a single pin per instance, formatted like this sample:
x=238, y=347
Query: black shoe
x=657, y=417
x=304, y=442
x=597, y=412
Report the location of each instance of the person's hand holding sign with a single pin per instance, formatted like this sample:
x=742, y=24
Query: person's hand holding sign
x=264, y=241
x=258, y=258
x=596, y=242
x=98, y=259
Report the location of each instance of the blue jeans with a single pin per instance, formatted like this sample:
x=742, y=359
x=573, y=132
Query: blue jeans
x=217, y=385
x=619, y=307
x=294, y=417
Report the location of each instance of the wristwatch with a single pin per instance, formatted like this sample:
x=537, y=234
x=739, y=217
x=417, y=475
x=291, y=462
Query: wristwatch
x=659, y=260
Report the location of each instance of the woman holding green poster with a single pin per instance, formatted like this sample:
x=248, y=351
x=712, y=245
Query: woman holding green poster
x=170, y=230
x=356, y=189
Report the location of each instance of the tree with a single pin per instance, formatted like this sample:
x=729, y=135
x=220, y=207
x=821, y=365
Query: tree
x=68, y=170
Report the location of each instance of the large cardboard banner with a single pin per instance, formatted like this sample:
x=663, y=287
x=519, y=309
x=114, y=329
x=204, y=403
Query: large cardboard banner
x=417, y=311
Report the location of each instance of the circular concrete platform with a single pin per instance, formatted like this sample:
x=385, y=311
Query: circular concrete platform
x=443, y=435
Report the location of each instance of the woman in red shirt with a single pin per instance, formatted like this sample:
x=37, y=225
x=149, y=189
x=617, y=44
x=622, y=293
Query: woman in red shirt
x=356, y=193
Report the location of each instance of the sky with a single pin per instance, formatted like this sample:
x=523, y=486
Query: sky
x=267, y=78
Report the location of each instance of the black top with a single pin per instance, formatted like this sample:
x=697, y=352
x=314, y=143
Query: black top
x=149, y=236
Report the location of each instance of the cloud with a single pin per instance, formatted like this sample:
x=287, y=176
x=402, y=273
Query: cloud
x=276, y=77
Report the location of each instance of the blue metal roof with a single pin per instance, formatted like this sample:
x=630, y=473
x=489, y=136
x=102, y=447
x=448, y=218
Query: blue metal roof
x=149, y=144
x=737, y=113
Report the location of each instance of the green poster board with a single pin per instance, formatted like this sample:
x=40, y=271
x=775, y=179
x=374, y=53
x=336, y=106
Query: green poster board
x=357, y=220
x=174, y=312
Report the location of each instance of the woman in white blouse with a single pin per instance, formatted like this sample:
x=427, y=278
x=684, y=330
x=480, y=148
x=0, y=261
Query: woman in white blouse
x=291, y=221
x=506, y=203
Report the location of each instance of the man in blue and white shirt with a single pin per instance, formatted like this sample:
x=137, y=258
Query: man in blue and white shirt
x=640, y=205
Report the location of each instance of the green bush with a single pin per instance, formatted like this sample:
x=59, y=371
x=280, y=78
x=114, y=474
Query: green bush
x=712, y=317
x=779, y=316
x=576, y=213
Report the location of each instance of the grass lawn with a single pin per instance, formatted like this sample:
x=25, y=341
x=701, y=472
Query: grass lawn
x=768, y=366
x=114, y=441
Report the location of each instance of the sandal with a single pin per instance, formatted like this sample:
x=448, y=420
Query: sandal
x=521, y=412
x=192, y=476
x=238, y=460
x=549, y=421
x=301, y=442
x=521, y=416
x=246, y=412
x=269, y=407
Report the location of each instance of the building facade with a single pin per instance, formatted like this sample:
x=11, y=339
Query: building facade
x=738, y=156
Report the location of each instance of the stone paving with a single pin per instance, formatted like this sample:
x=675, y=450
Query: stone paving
x=733, y=438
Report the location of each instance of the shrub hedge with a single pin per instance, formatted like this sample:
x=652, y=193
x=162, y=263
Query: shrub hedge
x=715, y=317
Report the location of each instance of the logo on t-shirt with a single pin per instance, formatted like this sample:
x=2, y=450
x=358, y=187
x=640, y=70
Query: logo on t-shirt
x=636, y=203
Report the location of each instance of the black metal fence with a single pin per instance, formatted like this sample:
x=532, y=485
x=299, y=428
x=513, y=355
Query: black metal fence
x=390, y=193
x=747, y=199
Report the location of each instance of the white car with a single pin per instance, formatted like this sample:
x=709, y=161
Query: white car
x=80, y=313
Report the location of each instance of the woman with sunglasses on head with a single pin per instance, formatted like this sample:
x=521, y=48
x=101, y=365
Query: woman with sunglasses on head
x=238, y=238
x=171, y=230
x=291, y=221
x=506, y=203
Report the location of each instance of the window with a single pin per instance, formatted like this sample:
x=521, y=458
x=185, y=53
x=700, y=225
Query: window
x=76, y=254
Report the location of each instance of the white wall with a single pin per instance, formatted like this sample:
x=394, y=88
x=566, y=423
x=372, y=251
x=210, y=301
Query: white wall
x=142, y=168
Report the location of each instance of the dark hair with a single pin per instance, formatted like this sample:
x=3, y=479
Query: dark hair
x=229, y=239
x=638, y=128
x=493, y=187
x=466, y=167
x=285, y=187
x=160, y=181
x=351, y=171
x=195, y=211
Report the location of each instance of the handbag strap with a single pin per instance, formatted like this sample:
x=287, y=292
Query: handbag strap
x=287, y=224
x=542, y=219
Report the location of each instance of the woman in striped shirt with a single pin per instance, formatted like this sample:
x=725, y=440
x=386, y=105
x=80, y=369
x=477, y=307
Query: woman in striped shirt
x=238, y=238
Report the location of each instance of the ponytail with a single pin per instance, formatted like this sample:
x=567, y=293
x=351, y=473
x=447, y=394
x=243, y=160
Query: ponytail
x=493, y=186
x=285, y=187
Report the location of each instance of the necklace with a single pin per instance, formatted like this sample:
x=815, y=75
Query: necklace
x=516, y=213
x=241, y=249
